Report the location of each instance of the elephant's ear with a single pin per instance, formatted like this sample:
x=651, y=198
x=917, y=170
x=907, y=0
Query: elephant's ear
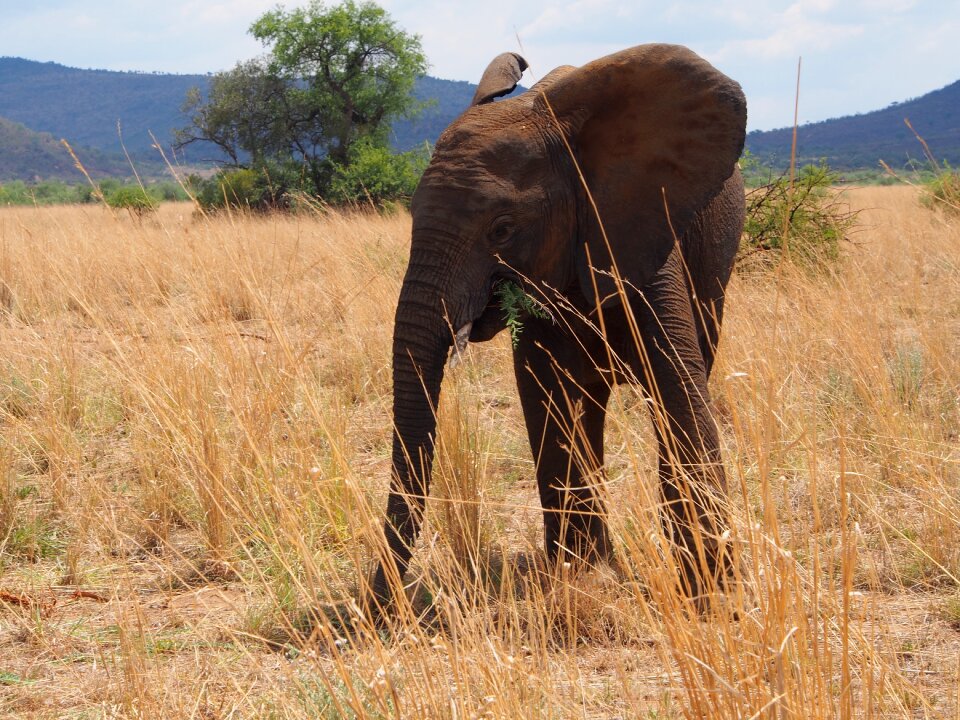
x=653, y=128
x=500, y=78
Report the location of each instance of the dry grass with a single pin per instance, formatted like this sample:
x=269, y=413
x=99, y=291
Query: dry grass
x=195, y=420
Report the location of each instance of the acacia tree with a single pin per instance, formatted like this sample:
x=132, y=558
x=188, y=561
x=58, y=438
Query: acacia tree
x=240, y=115
x=331, y=77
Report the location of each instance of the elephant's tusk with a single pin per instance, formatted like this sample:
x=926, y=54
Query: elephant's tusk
x=460, y=341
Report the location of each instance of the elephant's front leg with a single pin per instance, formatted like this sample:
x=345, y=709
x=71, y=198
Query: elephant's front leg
x=564, y=406
x=672, y=369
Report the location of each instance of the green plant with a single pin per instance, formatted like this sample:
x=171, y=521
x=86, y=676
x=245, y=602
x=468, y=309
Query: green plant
x=234, y=188
x=907, y=373
x=515, y=303
x=940, y=182
x=133, y=199
x=325, y=697
x=375, y=174
x=169, y=191
x=108, y=186
x=31, y=537
x=944, y=190
x=45, y=192
x=261, y=188
x=950, y=611
x=332, y=77
x=805, y=220
x=17, y=397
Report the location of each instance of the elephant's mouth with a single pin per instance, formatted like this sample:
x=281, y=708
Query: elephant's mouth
x=492, y=319
x=490, y=322
x=484, y=326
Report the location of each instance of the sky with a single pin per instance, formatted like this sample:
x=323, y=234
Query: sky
x=857, y=55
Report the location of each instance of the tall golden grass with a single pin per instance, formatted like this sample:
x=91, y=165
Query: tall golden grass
x=194, y=456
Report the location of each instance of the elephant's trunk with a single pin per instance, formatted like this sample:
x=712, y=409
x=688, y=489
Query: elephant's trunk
x=421, y=341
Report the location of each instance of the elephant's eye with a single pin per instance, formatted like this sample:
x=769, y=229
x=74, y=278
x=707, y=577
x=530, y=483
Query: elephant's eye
x=501, y=231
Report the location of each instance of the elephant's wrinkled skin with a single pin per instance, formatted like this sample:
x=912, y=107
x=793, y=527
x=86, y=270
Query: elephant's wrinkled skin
x=649, y=128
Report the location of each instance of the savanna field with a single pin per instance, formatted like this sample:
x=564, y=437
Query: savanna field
x=195, y=426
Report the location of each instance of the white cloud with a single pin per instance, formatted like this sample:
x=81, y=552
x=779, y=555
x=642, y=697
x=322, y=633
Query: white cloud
x=803, y=26
x=887, y=6
x=237, y=12
x=573, y=16
x=793, y=41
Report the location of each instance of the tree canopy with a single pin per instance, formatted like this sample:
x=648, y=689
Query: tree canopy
x=330, y=84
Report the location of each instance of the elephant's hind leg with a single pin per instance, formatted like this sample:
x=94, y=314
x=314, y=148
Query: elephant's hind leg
x=673, y=372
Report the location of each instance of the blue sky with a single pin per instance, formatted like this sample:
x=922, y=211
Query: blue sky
x=858, y=55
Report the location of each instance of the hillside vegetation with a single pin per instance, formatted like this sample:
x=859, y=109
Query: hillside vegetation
x=861, y=141
x=445, y=100
x=195, y=451
x=84, y=106
x=25, y=154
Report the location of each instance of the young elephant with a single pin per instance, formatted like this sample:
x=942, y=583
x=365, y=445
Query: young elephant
x=578, y=190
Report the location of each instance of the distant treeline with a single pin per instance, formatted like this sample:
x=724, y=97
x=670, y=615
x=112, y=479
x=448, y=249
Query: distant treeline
x=58, y=192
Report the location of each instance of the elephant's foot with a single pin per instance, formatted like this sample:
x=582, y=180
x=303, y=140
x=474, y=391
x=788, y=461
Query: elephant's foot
x=379, y=598
x=707, y=571
x=396, y=609
x=580, y=539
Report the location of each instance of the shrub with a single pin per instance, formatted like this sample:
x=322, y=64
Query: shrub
x=376, y=175
x=86, y=194
x=108, y=186
x=372, y=174
x=168, y=191
x=940, y=183
x=806, y=224
x=133, y=199
x=15, y=192
x=45, y=192
x=261, y=189
x=943, y=190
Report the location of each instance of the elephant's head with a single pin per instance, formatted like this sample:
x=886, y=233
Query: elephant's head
x=515, y=189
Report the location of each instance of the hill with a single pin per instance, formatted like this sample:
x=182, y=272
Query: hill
x=860, y=141
x=29, y=155
x=446, y=100
x=85, y=106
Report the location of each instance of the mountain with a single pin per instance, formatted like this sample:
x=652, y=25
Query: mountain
x=29, y=155
x=445, y=99
x=84, y=106
x=861, y=141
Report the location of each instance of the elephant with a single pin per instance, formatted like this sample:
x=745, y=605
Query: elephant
x=611, y=194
